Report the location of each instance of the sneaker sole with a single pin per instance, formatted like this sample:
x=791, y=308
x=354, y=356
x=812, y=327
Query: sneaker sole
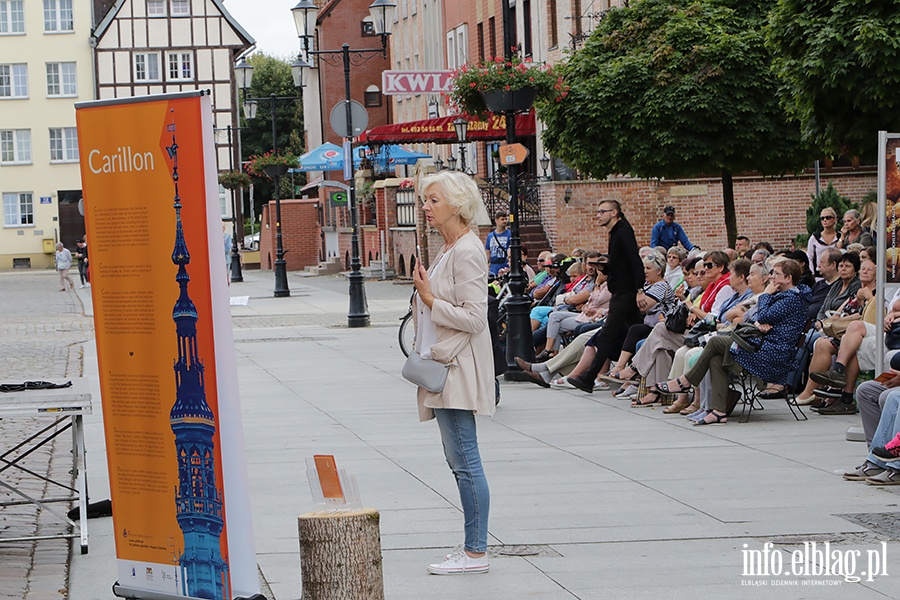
x=891, y=459
x=818, y=378
x=871, y=481
x=473, y=571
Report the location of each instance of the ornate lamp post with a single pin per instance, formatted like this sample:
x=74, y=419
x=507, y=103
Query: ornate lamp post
x=245, y=77
x=461, y=125
x=451, y=162
x=545, y=163
x=305, y=16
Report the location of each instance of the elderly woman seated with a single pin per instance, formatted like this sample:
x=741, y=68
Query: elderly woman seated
x=654, y=360
x=780, y=316
x=575, y=307
x=655, y=297
x=844, y=329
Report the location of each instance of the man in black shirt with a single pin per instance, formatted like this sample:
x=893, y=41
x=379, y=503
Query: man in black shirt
x=625, y=280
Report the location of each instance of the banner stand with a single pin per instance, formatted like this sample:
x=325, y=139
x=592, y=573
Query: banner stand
x=134, y=594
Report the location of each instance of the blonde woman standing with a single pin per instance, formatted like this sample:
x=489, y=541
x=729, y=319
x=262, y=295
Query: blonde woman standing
x=451, y=328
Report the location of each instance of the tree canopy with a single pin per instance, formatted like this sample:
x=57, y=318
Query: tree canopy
x=272, y=76
x=675, y=88
x=839, y=65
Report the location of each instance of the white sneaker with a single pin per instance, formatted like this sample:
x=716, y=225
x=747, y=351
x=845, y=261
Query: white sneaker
x=460, y=563
x=82, y=286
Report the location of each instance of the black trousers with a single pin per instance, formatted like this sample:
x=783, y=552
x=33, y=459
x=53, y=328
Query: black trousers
x=623, y=313
x=635, y=334
x=82, y=271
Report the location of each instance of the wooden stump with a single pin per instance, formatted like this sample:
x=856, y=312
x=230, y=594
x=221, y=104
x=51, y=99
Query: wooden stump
x=340, y=555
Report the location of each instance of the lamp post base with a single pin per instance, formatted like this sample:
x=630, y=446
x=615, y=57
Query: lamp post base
x=236, y=275
x=358, y=315
x=281, y=283
x=518, y=334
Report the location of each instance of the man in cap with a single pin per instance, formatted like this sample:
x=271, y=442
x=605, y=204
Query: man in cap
x=667, y=232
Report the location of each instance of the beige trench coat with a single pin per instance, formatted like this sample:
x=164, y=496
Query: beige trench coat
x=459, y=314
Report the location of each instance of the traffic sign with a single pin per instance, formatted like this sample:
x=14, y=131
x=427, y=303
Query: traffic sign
x=337, y=198
x=358, y=115
x=513, y=154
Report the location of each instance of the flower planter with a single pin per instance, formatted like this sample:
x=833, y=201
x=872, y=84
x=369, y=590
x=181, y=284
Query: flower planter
x=274, y=171
x=510, y=100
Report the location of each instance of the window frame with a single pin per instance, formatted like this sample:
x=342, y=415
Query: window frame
x=179, y=55
x=373, y=98
x=187, y=4
x=8, y=12
x=18, y=202
x=61, y=82
x=163, y=4
x=17, y=139
x=18, y=77
x=57, y=13
x=134, y=67
x=68, y=145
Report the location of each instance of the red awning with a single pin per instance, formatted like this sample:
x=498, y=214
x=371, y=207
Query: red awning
x=441, y=130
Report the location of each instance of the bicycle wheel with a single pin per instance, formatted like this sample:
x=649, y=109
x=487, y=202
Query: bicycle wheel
x=407, y=334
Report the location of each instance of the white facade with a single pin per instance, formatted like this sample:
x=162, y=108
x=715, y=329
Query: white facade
x=162, y=46
x=45, y=68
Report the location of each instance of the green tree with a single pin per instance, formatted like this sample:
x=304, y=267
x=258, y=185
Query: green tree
x=675, y=88
x=839, y=66
x=272, y=76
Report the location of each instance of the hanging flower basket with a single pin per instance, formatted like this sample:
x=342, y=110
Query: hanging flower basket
x=510, y=101
x=272, y=165
x=499, y=85
x=234, y=180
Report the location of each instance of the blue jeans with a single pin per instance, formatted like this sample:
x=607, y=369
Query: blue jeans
x=888, y=426
x=461, y=450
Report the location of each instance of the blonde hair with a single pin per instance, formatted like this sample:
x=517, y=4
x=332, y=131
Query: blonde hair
x=459, y=190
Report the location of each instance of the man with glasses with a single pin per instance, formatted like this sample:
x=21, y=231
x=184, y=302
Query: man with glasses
x=625, y=281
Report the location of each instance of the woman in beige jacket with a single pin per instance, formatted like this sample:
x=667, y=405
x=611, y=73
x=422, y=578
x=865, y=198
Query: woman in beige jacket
x=451, y=328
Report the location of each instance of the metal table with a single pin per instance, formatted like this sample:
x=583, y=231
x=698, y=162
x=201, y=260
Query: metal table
x=64, y=408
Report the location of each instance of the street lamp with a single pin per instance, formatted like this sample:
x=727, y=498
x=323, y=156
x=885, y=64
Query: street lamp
x=451, y=162
x=545, y=163
x=461, y=125
x=245, y=77
x=305, y=17
x=438, y=164
x=236, y=275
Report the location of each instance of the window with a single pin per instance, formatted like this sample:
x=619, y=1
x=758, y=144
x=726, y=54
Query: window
x=553, y=25
x=181, y=8
x=492, y=36
x=181, y=66
x=146, y=66
x=18, y=209
x=12, y=16
x=61, y=79
x=406, y=207
x=373, y=96
x=13, y=81
x=15, y=146
x=156, y=8
x=368, y=27
x=58, y=16
x=479, y=33
x=63, y=144
x=526, y=26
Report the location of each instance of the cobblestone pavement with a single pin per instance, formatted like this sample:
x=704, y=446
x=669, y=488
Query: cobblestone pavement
x=42, y=333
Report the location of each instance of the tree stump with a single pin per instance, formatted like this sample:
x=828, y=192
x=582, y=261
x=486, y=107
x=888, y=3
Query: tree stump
x=340, y=555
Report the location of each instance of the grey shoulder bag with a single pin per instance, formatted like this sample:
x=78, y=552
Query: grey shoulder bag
x=425, y=372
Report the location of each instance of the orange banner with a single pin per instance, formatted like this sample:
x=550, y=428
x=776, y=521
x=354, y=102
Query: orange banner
x=158, y=287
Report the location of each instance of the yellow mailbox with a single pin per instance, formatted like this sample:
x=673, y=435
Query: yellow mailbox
x=49, y=246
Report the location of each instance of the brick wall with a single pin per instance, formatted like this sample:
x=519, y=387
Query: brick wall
x=772, y=209
x=301, y=235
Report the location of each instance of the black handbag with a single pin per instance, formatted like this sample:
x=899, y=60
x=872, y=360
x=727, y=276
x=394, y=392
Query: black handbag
x=892, y=337
x=676, y=318
x=694, y=337
x=745, y=335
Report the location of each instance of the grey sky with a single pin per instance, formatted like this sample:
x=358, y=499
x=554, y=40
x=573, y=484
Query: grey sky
x=270, y=23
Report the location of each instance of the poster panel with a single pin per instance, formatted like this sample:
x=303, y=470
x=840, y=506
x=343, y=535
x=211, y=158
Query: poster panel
x=165, y=349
